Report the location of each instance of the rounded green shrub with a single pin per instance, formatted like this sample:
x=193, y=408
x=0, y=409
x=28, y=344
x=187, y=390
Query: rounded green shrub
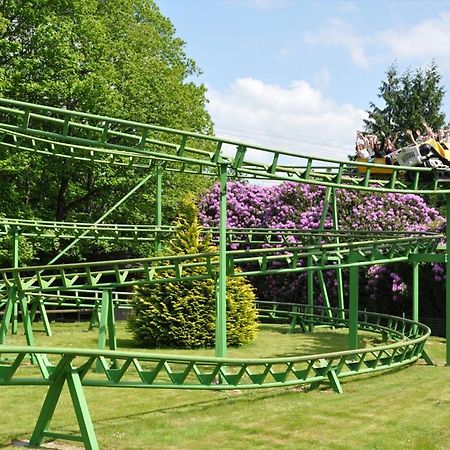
x=182, y=314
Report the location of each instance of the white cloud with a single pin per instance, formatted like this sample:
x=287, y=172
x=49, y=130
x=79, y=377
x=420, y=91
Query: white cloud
x=424, y=40
x=428, y=38
x=322, y=79
x=338, y=33
x=297, y=118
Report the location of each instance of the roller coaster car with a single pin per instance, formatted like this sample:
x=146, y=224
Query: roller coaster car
x=375, y=170
x=429, y=154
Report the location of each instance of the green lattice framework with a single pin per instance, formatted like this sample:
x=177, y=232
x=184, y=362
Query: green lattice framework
x=100, y=286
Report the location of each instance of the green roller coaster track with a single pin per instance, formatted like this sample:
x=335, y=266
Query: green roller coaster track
x=101, y=287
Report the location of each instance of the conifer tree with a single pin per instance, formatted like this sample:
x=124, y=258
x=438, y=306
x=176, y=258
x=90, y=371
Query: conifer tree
x=182, y=314
x=408, y=101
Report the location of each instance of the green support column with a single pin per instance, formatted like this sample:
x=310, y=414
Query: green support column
x=158, y=212
x=107, y=325
x=7, y=314
x=310, y=286
x=340, y=283
x=221, y=298
x=39, y=304
x=324, y=290
x=447, y=283
x=15, y=263
x=325, y=207
x=26, y=319
x=42, y=428
x=15, y=318
x=353, y=303
x=415, y=291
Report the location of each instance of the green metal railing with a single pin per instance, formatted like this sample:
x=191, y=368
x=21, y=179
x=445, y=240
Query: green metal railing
x=164, y=269
x=153, y=370
x=88, y=137
x=104, y=286
x=126, y=232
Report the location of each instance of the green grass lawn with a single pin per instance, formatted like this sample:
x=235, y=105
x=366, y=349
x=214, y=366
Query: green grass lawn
x=405, y=409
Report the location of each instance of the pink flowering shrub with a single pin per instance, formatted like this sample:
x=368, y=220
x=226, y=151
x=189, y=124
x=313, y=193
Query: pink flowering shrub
x=292, y=205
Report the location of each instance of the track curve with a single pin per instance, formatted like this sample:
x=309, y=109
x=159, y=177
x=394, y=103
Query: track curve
x=90, y=138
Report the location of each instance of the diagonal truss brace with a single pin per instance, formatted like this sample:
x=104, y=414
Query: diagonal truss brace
x=65, y=374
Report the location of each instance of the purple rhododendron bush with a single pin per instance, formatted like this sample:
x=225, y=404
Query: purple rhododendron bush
x=291, y=205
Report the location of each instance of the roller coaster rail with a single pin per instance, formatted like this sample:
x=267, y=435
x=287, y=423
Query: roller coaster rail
x=88, y=137
x=104, y=286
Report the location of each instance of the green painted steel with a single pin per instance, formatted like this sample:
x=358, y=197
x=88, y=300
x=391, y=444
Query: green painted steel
x=119, y=369
x=87, y=137
x=221, y=297
x=158, y=212
x=353, y=300
x=111, y=274
x=415, y=291
x=103, y=286
x=155, y=370
x=101, y=219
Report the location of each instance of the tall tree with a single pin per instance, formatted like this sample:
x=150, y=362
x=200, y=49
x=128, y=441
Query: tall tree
x=408, y=101
x=108, y=57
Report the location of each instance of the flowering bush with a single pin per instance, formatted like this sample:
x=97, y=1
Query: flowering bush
x=292, y=205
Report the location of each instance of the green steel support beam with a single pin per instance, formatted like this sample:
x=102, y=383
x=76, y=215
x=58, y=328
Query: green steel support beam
x=353, y=303
x=26, y=319
x=415, y=291
x=323, y=288
x=325, y=207
x=310, y=292
x=16, y=299
x=102, y=218
x=221, y=300
x=15, y=263
x=107, y=326
x=15, y=318
x=82, y=411
x=7, y=314
x=340, y=282
x=447, y=282
x=38, y=303
x=334, y=382
x=44, y=317
x=158, y=212
x=47, y=411
x=94, y=320
x=41, y=430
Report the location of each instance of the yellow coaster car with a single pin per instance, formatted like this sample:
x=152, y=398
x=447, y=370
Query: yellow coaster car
x=376, y=170
x=431, y=154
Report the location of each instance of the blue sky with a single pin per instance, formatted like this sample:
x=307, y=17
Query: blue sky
x=300, y=74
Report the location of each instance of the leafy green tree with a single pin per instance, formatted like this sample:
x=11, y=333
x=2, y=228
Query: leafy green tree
x=108, y=57
x=182, y=315
x=408, y=101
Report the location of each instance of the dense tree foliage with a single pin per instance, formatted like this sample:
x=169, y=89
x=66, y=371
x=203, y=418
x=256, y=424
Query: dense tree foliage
x=108, y=57
x=408, y=100
x=182, y=315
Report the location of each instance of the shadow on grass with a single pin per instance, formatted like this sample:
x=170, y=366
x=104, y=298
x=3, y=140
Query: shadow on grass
x=317, y=342
x=231, y=397
x=124, y=343
x=320, y=342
